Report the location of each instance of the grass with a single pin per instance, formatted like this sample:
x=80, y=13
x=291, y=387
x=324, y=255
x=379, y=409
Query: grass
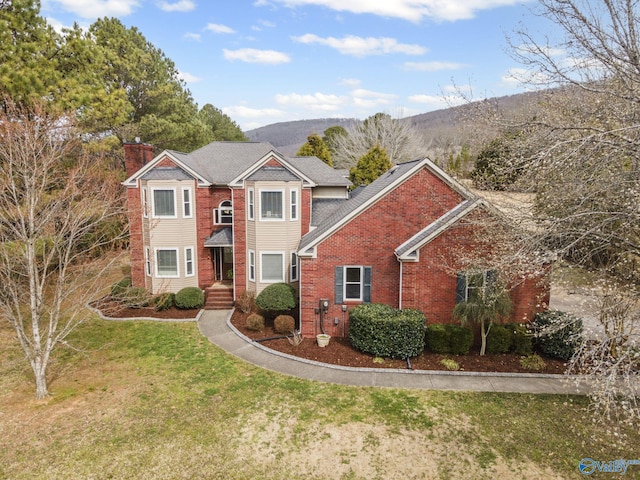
x=156, y=400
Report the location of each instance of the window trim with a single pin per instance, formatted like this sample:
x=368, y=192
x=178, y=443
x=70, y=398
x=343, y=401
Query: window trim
x=186, y=262
x=251, y=265
x=145, y=202
x=282, y=205
x=462, y=282
x=147, y=261
x=294, y=204
x=294, y=268
x=365, y=288
x=282, y=270
x=217, y=213
x=175, y=249
x=251, y=204
x=188, y=203
x=360, y=283
x=153, y=202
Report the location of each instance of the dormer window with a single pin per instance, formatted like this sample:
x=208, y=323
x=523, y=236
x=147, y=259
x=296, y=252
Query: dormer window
x=223, y=215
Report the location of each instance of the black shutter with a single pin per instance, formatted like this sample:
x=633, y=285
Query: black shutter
x=366, y=287
x=461, y=287
x=338, y=284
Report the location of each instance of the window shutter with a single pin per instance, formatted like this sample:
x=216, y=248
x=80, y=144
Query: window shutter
x=461, y=286
x=366, y=287
x=339, y=281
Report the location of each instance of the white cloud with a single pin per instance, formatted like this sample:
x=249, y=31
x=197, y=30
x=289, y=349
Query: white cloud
x=318, y=102
x=371, y=99
x=189, y=78
x=252, y=55
x=179, y=6
x=217, y=28
x=56, y=24
x=432, y=66
x=411, y=10
x=350, y=82
x=192, y=36
x=241, y=111
x=361, y=47
x=435, y=101
x=97, y=8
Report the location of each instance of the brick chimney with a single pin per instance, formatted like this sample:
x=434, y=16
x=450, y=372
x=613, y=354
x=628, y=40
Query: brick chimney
x=136, y=156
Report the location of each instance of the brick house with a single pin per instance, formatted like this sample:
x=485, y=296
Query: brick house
x=235, y=216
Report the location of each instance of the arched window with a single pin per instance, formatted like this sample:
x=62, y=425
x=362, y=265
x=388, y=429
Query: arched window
x=223, y=215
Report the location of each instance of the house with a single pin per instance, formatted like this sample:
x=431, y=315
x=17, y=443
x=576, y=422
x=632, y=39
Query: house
x=236, y=216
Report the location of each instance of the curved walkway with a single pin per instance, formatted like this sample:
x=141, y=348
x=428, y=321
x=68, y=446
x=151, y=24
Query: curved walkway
x=216, y=326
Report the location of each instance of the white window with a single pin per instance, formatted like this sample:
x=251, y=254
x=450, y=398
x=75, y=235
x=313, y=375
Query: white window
x=167, y=263
x=294, y=204
x=186, y=203
x=271, y=205
x=145, y=203
x=472, y=285
x=147, y=261
x=223, y=215
x=252, y=266
x=250, y=204
x=294, y=267
x=164, y=202
x=353, y=283
x=272, y=267
x=189, y=271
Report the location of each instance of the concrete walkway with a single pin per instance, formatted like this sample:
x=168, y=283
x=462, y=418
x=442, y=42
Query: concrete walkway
x=215, y=325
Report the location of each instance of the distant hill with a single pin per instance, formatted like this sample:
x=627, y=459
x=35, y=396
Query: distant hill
x=444, y=130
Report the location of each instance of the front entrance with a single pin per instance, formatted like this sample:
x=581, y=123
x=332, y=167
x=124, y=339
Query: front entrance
x=223, y=263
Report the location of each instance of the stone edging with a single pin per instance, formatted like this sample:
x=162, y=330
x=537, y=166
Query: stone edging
x=168, y=320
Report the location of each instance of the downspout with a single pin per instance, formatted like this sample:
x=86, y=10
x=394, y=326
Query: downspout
x=400, y=289
x=233, y=243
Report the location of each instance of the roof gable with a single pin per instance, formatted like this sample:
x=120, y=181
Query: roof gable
x=181, y=170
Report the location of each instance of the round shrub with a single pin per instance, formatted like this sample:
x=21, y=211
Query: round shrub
x=189, y=297
x=278, y=297
x=460, y=339
x=522, y=340
x=384, y=331
x=284, y=324
x=499, y=339
x=119, y=289
x=255, y=322
x=558, y=334
x=438, y=338
x=164, y=301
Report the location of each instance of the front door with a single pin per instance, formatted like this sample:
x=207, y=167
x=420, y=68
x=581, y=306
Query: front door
x=223, y=263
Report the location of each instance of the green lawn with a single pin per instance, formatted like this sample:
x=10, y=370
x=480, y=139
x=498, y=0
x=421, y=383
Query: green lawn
x=155, y=400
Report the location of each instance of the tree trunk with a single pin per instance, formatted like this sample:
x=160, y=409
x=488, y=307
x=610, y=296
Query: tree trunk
x=40, y=373
x=483, y=336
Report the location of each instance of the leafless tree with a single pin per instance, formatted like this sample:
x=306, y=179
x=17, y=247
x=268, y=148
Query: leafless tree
x=58, y=211
x=401, y=141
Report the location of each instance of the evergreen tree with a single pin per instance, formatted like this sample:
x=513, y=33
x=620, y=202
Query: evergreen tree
x=316, y=146
x=219, y=125
x=370, y=166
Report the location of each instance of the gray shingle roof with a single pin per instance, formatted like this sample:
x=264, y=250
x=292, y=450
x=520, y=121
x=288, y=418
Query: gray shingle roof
x=321, y=209
x=319, y=172
x=267, y=173
x=220, y=238
x=167, y=173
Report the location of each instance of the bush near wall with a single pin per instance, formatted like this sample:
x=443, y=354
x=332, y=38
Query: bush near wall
x=385, y=331
x=557, y=334
x=189, y=297
x=278, y=297
x=449, y=338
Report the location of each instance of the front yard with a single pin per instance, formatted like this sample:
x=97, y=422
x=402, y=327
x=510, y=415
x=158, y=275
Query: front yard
x=152, y=400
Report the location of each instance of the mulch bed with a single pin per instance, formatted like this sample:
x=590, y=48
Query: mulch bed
x=112, y=308
x=340, y=352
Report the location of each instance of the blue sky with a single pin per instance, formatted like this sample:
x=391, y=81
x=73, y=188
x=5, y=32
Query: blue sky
x=268, y=61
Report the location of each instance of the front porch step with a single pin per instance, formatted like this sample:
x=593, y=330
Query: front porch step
x=218, y=297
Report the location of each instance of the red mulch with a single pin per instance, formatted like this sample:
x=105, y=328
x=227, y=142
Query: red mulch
x=340, y=352
x=114, y=309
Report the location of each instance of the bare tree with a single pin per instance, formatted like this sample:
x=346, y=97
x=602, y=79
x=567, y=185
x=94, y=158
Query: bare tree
x=58, y=208
x=399, y=139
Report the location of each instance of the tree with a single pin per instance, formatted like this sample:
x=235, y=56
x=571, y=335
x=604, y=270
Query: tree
x=496, y=168
x=370, y=166
x=315, y=146
x=401, y=141
x=331, y=135
x=54, y=204
x=220, y=126
x=487, y=302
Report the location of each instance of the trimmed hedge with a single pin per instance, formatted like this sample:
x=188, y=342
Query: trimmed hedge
x=558, y=334
x=500, y=339
x=189, y=297
x=385, y=331
x=284, y=324
x=449, y=338
x=522, y=340
x=278, y=297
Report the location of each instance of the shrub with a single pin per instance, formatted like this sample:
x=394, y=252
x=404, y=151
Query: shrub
x=460, y=339
x=164, y=301
x=449, y=338
x=384, y=331
x=450, y=364
x=522, y=340
x=136, y=297
x=255, y=322
x=284, y=324
x=558, y=334
x=499, y=339
x=438, y=338
x=278, y=297
x=189, y=297
x=246, y=301
x=119, y=289
x=533, y=362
